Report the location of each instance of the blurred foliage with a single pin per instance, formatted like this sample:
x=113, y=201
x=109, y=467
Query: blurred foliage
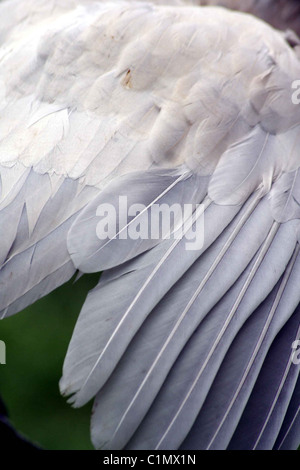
x=36, y=343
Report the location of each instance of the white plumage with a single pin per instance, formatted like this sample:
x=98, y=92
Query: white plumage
x=176, y=104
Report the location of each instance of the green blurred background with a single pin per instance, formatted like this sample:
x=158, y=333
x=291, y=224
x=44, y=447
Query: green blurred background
x=36, y=343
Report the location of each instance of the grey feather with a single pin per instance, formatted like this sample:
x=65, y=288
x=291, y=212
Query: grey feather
x=93, y=252
x=289, y=436
x=175, y=318
x=38, y=249
x=263, y=416
x=201, y=360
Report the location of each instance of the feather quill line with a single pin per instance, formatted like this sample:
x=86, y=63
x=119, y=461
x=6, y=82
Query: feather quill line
x=226, y=246
x=181, y=177
x=289, y=428
x=251, y=275
x=196, y=215
x=259, y=343
x=286, y=371
x=256, y=162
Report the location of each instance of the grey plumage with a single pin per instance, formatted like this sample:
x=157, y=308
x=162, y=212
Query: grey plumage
x=288, y=437
x=277, y=380
x=174, y=344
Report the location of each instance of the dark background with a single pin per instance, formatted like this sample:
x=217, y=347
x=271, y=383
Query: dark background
x=36, y=343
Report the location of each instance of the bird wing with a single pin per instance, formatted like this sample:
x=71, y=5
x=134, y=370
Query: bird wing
x=96, y=104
